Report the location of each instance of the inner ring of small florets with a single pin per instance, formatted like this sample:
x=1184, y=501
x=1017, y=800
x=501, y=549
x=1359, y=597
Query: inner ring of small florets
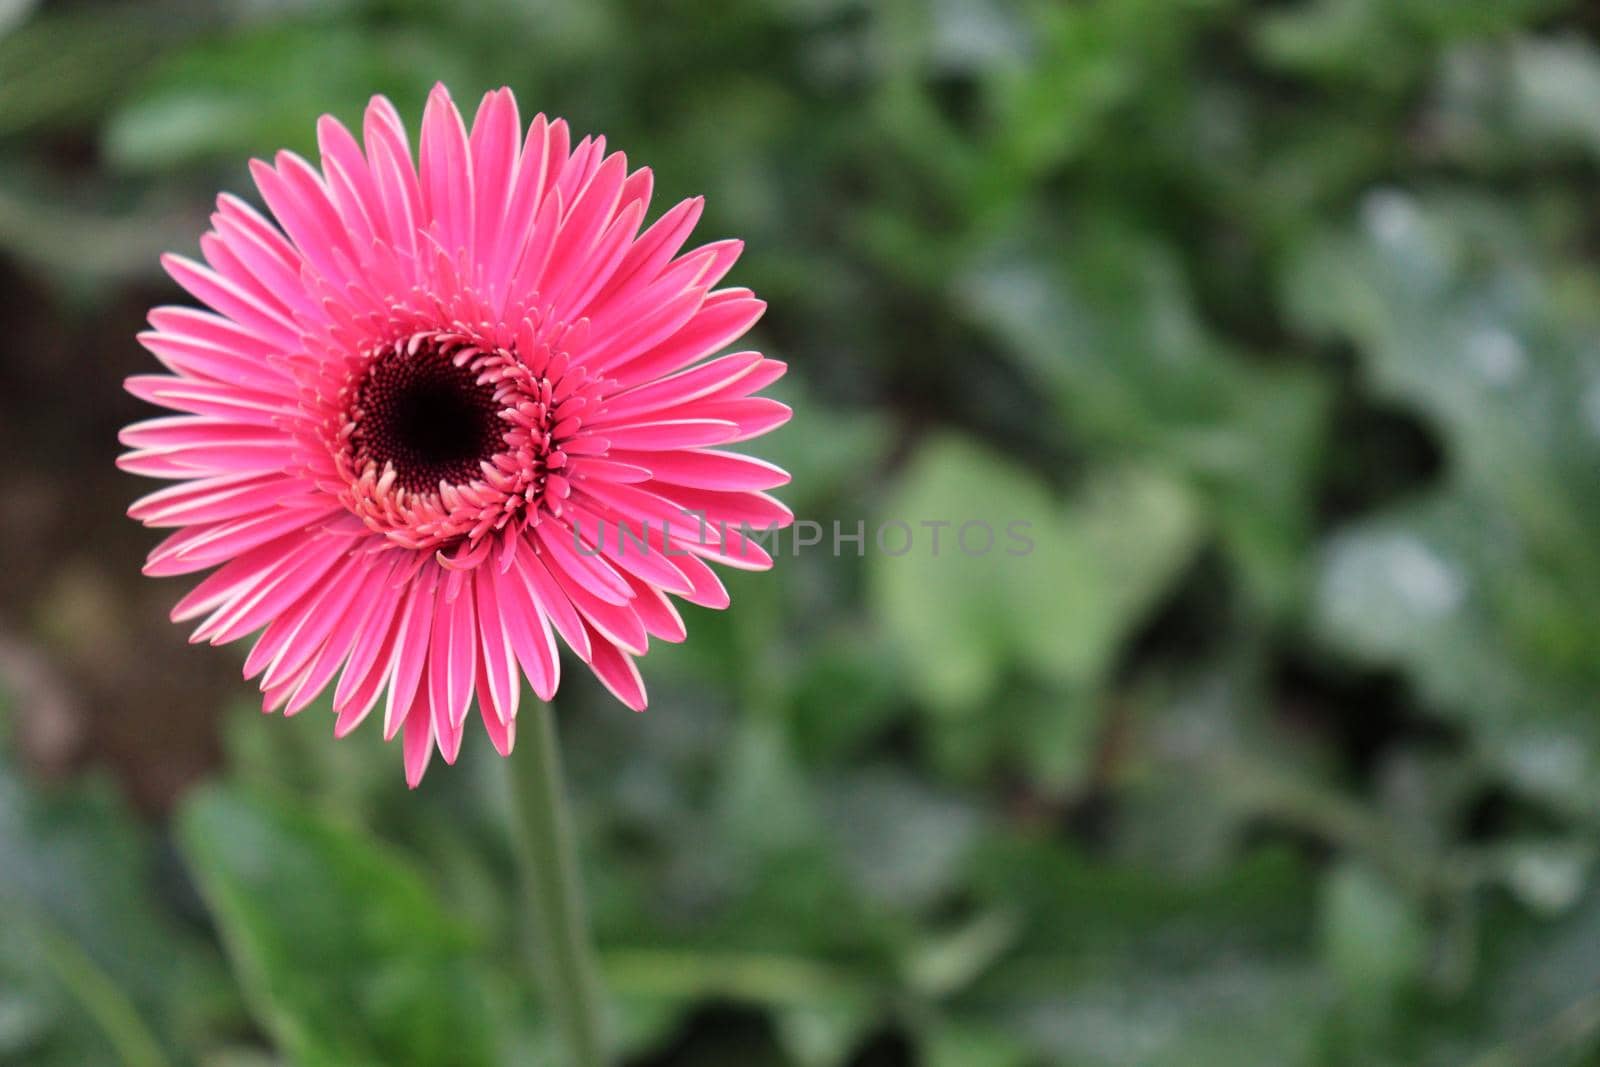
x=433, y=420
x=446, y=437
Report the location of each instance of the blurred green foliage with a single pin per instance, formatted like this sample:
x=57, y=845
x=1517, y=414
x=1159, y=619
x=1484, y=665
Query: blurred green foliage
x=1280, y=322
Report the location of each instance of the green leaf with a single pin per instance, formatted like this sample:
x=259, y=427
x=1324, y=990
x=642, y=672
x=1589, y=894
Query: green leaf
x=1539, y=1006
x=92, y=965
x=1555, y=93
x=1482, y=589
x=1374, y=940
x=961, y=1043
x=845, y=696
x=345, y=953
x=14, y=12
x=1103, y=321
x=91, y=54
x=903, y=844
x=1362, y=41
x=823, y=1033
x=765, y=802
x=210, y=101
x=1015, y=579
x=1116, y=964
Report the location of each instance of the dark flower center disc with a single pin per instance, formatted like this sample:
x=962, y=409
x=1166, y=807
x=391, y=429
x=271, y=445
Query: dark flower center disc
x=433, y=420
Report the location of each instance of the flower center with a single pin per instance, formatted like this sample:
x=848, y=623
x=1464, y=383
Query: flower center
x=429, y=418
x=442, y=437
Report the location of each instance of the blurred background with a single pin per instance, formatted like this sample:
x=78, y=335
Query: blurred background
x=1280, y=321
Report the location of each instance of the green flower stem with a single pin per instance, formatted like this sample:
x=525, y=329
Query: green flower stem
x=563, y=959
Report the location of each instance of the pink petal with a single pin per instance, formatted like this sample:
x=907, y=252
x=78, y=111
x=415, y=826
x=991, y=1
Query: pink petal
x=453, y=653
x=678, y=389
x=266, y=321
x=501, y=689
x=708, y=469
x=413, y=628
x=496, y=132
x=721, y=320
x=670, y=433
x=619, y=673
x=585, y=569
x=551, y=599
x=527, y=628
x=418, y=740
x=502, y=732
x=446, y=172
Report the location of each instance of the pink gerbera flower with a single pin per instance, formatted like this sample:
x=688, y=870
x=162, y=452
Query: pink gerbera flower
x=440, y=413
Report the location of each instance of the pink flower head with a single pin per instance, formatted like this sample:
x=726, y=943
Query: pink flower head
x=440, y=413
